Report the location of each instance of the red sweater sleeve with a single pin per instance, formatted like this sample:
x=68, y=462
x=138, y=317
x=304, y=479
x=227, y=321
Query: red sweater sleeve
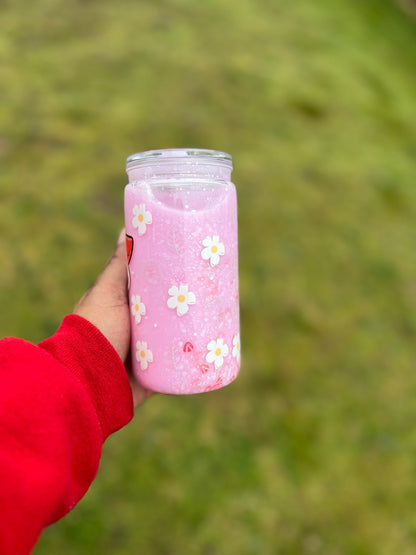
x=59, y=401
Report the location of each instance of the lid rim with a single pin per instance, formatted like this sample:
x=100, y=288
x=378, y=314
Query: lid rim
x=170, y=154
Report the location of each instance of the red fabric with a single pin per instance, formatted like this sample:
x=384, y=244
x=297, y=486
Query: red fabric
x=59, y=401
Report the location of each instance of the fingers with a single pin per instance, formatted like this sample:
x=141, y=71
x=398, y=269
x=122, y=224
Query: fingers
x=140, y=394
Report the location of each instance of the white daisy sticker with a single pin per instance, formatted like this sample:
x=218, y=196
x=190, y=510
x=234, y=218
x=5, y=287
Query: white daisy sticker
x=180, y=298
x=141, y=218
x=143, y=354
x=237, y=348
x=213, y=249
x=138, y=308
x=217, y=352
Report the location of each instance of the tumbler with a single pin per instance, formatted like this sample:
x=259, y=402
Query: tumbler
x=181, y=235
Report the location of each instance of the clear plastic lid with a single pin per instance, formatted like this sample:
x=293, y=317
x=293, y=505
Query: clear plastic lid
x=188, y=155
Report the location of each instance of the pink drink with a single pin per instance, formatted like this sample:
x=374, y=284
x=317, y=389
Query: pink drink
x=181, y=223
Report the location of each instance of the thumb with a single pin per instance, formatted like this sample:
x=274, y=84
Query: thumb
x=114, y=274
x=106, y=304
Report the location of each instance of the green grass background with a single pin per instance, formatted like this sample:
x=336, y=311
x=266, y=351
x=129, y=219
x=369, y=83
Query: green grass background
x=313, y=448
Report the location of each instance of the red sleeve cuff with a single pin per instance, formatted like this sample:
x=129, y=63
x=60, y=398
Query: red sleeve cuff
x=89, y=356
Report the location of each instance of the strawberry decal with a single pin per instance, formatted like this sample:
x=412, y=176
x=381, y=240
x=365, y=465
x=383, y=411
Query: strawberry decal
x=188, y=347
x=129, y=248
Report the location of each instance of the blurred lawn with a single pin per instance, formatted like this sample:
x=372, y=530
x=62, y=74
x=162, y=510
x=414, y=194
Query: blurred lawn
x=313, y=449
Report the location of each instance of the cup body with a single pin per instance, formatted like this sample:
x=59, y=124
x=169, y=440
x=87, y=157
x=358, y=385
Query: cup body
x=181, y=231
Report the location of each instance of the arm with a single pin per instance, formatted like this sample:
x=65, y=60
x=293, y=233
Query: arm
x=54, y=417
x=59, y=401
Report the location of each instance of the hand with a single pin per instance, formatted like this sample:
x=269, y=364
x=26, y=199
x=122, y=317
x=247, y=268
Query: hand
x=106, y=306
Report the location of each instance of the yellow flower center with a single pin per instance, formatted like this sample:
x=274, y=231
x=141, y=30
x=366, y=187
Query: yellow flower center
x=181, y=298
x=218, y=352
x=214, y=249
x=142, y=354
x=136, y=307
x=140, y=217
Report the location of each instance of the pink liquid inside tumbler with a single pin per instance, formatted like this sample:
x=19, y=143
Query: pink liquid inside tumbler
x=181, y=226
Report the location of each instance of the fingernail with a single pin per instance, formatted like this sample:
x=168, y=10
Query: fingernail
x=122, y=236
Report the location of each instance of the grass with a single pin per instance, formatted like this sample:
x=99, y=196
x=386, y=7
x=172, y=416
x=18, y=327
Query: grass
x=313, y=449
